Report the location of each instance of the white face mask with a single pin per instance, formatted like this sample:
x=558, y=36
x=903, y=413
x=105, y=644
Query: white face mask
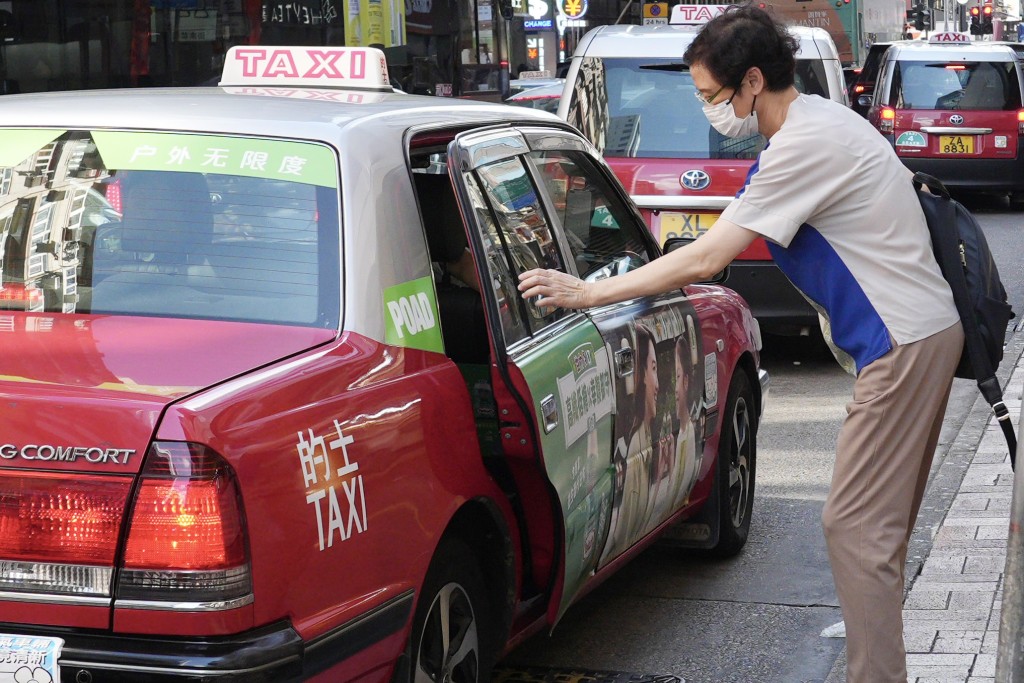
x=723, y=117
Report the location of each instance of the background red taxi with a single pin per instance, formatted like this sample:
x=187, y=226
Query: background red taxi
x=254, y=428
x=628, y=92
x=953, y=108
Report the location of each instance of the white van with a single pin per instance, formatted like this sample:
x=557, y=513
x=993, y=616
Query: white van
x=629, y=93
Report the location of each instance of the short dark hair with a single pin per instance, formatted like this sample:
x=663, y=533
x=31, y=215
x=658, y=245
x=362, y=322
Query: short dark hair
x=743, y=37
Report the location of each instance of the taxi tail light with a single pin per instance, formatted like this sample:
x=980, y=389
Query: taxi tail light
x=187, y=537
x=1020, y=121
x=887, y=119
x=59, y=532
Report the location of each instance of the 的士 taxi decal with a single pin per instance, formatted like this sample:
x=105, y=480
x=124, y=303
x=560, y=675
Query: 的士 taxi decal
x=325, y=484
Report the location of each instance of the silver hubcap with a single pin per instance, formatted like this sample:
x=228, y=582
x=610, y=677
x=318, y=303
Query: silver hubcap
x=449, y=647
x=739, y=463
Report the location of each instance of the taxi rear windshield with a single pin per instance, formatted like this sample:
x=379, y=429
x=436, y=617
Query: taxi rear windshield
x=169, y=225
x=964, y=86
x=630, y=107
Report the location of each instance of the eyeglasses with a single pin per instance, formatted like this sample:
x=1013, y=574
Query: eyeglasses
x=709, y=100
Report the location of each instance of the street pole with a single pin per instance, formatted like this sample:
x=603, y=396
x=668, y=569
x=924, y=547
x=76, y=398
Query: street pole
x=1010, y=653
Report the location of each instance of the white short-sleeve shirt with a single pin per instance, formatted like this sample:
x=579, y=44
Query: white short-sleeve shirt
x=843, y=222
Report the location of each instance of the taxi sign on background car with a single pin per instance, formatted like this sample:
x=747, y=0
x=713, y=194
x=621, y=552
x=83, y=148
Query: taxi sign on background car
x=947, y=37
x=695, y=14
x=362, y=68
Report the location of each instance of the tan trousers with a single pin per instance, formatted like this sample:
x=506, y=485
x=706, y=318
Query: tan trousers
x=883, y=458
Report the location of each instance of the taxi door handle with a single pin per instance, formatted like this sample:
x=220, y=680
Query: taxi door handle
x=624, y=362
x=549, y=411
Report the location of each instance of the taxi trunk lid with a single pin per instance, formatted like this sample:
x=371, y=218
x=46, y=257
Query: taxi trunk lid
x=84, y=393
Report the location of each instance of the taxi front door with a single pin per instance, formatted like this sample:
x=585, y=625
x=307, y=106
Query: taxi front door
x=553, y=365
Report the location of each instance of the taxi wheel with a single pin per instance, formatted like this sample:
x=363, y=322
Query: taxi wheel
x=451, y=638
x=737, y=455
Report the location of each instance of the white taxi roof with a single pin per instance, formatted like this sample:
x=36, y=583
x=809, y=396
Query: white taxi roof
x=670, y=40
x=919, y=50
x=328, y=115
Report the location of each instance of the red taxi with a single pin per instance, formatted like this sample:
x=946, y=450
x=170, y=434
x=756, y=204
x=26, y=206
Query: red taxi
x=953, y=108
x=259, y=420
x=628, y=92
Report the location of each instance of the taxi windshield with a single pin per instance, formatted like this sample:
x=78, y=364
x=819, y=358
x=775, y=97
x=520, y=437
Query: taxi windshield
x=963, y=86
x=169, y=224
x=631, y=107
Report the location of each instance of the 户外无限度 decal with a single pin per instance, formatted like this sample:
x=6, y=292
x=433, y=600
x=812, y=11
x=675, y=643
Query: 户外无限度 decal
x=291, y=160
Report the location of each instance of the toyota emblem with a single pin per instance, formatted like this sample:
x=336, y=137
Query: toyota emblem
x=956, y=119
x=695, y=180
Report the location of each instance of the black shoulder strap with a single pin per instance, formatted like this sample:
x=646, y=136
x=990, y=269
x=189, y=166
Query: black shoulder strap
x=946, y=244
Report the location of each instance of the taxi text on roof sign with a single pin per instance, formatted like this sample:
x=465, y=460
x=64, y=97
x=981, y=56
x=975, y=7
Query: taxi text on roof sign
x=947, y=37
x=362, y=68
x=696, y=14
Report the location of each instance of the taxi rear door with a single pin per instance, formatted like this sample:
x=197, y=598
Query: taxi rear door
x=553, y=386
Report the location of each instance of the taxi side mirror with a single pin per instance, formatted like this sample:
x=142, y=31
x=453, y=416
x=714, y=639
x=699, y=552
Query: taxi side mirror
x=864, y=101
x=673, y=243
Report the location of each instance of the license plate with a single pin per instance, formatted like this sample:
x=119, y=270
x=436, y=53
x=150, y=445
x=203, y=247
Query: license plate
x=956, y=144
x=22, y=656
x=691, y=225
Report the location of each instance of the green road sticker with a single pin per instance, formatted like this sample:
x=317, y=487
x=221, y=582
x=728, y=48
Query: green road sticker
x=16, y=144
x=411, y=319
x=300, y=162
x=603, y=218
x=911, y=138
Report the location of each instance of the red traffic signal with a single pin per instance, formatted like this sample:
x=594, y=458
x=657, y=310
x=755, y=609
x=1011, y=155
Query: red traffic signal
x=975, y=11
x=988, y=10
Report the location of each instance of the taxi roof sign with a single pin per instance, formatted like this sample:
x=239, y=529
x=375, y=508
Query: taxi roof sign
x=694, y=15
x=949, y=37
x=350, y=68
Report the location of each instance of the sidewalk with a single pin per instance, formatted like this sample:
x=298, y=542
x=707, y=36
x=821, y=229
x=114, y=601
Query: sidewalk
x=952, y=609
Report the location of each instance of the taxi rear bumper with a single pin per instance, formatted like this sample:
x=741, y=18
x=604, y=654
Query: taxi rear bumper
x=274, y=653
x=772, y=298
x=995, y=174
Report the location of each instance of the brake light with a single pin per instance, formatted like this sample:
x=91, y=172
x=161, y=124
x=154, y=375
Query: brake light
x=858, y=89
x=59, y=532
x=955, y=67
x=887, y=119
x=187, y=538
x=1020, y=121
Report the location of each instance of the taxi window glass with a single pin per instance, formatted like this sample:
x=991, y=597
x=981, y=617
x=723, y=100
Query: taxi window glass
x=601, y=233
x=963, y=86
x=516, y=238
x=169, y=225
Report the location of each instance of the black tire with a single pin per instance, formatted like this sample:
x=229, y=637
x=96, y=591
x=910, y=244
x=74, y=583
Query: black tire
x=452, y=634
x=737, y=458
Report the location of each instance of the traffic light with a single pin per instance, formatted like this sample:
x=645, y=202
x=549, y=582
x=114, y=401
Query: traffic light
x=921, y=17
x=975, y=21
x=986, y=19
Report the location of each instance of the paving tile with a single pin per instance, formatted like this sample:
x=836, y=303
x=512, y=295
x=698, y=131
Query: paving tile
x=958, y=641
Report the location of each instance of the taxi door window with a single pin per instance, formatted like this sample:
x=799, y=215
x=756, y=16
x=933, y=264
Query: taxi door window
x=602, y=235
x=516, y=237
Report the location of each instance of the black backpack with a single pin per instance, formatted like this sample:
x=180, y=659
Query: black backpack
x=967, y=265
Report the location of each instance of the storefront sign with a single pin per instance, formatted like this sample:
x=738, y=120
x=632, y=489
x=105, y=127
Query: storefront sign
x=537, y=24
